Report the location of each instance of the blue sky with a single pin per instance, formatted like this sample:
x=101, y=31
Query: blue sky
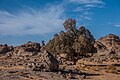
x=35, y=20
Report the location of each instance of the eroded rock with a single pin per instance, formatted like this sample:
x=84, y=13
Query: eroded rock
x=5, y=48
x=75, y=43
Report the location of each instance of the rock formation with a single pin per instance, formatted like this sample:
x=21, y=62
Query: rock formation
x=24, y=55
x=48, y=61
x=110, y=42
x=28, y=48
x=74, y=42
x=5, y=48
x=108, y=51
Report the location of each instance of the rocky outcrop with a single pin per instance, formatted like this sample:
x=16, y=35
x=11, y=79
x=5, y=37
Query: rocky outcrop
x=108, y=51
x=101, y=58
x=47, y=62
x=76, y=43
x=5, y=48
x=30, y=47
x=30, y=55
x=110, y=42
x=99, y=46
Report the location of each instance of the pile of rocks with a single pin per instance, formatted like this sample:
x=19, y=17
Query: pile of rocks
x=29, y=55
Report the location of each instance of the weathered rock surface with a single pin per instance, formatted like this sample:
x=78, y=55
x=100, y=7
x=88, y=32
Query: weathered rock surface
x=48, y=61
x=75, y=43
x=110, y=42
x=28, y=48
x=5, y=48
x=108, y=51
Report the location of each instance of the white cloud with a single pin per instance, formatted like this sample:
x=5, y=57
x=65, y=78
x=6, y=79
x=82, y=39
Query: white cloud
x=85, y=17
x=45, y=20
x=88, y=18
x=32, y=21
x=81, y=9
x=117, y=25
x=87, y=1
x=114, y=24
x=87, y=4
x=84, y=7
x=90, y=5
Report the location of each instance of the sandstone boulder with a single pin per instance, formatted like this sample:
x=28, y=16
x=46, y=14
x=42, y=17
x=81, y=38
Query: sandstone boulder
x=47, y=62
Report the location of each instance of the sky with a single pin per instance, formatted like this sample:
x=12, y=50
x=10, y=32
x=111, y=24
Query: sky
x=36, y=20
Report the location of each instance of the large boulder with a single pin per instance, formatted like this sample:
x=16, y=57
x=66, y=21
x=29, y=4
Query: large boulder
x=47, y=62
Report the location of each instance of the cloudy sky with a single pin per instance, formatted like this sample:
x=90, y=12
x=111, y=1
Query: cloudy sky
x=35, y=20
